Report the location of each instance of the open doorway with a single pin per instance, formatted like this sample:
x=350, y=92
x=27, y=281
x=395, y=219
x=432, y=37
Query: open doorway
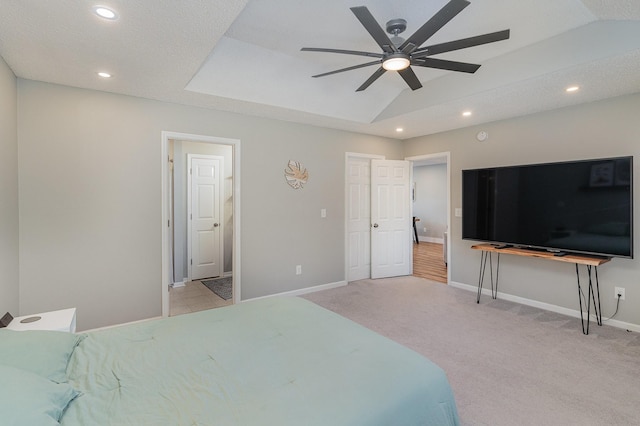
x=430, y=195
x=202, y=204
x=216, y=163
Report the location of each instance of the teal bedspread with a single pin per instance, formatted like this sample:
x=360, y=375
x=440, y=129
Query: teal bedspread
x=277, y=361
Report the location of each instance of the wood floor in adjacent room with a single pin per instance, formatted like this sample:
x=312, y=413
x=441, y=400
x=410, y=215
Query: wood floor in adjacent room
x=428, y=262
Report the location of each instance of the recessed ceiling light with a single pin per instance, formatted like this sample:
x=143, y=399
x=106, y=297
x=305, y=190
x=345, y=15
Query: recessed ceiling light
x=572, y=88
x=104, y=74
x=466, y=113
x=105, y=12
x=399, y=129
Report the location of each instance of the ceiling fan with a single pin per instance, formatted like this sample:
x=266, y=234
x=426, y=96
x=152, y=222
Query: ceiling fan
x=399, y=54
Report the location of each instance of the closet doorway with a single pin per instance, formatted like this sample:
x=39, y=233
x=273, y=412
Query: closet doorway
x=178, y=152
x=431, y=201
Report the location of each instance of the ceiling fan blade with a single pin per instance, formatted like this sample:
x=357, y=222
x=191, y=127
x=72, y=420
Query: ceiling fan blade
x=410, y=78
x=345, y=52
x=444, y=15
x=460, y=44
x=446, y=65
x=371, y=25
x=355, y=67
x=376, y=75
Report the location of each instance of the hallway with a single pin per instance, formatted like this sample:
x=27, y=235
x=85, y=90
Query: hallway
x=428, y=262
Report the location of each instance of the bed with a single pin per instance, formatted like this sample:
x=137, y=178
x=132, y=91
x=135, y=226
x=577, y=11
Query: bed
x=275, y=361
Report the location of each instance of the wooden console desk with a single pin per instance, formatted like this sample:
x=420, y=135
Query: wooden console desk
x=590, y=263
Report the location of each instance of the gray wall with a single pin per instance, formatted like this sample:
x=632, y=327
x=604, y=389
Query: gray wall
x=9, y=289
x=430, y=204
x=89, y=185
x=602, y=129
x=90, y=200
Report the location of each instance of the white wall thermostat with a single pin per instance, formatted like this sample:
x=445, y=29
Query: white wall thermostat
x=482, y=135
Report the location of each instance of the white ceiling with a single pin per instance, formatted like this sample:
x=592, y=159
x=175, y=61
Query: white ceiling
x=244, y=56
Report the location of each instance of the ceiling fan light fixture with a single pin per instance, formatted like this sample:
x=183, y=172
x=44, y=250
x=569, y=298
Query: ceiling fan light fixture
x=396, y=62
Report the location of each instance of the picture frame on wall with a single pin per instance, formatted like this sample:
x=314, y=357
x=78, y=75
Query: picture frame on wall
x=602, y=175
x=622, y=172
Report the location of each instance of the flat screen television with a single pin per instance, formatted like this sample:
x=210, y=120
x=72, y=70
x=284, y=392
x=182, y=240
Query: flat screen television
x=581, y=206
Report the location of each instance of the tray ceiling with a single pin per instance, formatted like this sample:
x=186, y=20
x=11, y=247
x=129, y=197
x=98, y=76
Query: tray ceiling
x=244, y=56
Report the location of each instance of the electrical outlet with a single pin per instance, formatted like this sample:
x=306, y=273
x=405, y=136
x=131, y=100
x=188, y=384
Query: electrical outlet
x=619, y=291
x=424, y=230
x=298, y=269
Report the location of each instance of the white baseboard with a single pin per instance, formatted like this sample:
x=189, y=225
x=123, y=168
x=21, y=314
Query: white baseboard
x=302, y=290
x=179, y=284
x=546, y=306
x=118, y=325
x=187, y=280
x=286, y=293
x=430, y=239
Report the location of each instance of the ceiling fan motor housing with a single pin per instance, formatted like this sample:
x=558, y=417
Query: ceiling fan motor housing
x=396, y=26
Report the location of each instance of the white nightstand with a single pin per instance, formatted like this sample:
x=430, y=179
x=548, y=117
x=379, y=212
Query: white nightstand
x=63, y=320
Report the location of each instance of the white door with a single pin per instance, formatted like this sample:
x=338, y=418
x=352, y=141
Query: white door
x=205, y=213
x=391, y=221
x=359, y=218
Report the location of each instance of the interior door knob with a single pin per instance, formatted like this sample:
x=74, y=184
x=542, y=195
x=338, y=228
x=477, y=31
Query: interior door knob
x=375, y=225
x=215, y=225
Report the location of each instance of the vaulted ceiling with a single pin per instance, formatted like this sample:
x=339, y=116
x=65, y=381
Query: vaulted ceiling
x=244, y=56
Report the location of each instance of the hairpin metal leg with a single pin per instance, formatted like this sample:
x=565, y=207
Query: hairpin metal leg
x=483, y=263
x=596, y=295
x=494, y=295
x=591, y=295
x=585, y=325
x=483, y=266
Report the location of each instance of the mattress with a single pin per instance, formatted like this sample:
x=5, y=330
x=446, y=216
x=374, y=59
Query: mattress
x=276, y=361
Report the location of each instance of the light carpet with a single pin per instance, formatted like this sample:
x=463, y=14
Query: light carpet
x=508, y=364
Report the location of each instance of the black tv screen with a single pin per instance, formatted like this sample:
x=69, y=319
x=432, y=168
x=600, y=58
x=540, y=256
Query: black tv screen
x=577, y=206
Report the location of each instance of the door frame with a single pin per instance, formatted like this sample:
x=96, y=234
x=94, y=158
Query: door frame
x=427, y=158
x=220, y=203
x=166, y=280
x=347, y=156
